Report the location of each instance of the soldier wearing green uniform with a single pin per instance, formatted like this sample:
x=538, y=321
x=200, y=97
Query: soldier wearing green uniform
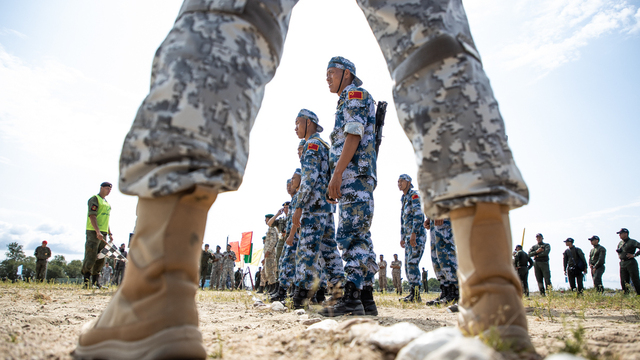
x=522, y=263
x=540, y=255
x=42, y=254
x=628, y=265
x=97, y=230
x=204, y=265
x=280, y=225
x=596, y=262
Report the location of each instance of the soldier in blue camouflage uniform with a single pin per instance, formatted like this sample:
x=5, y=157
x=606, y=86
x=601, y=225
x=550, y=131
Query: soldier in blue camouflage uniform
x=190, y=141
x=443, y=257
x=412, y=234
x=314, y=214
x=353, y=166
x=286, y=264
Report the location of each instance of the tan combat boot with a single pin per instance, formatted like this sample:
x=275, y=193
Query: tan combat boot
x=153, y=314
x=490, y=290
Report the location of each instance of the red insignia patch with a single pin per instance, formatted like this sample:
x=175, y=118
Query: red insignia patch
x=313, y=147
x=355, y=95
x=415, y=196
x=94, y=208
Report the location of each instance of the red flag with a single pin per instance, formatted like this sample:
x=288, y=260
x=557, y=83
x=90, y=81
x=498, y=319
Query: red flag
x=245, y=243
x=235, y=247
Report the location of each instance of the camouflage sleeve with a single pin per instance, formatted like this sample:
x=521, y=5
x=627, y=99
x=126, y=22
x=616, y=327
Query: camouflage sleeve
x=546, y=251
x=93, y=206
x=233, y=255
x=310, y=173
x=416, y=210
x=355, y=112
x=532, y=251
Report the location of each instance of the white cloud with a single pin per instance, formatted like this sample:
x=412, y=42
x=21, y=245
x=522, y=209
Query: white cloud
x=61, y=238
x=12, y=32
x=558, y=29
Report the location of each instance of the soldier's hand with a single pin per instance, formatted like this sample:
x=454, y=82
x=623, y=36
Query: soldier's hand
x=290, y=239
x=296, y=217
x=427, y=224
x=412, y=240
x=99, y=236
x=438, y=222
x=630, y=256
x=334, y=186
x=267, y=254
x=402, y=244
x=539, y=250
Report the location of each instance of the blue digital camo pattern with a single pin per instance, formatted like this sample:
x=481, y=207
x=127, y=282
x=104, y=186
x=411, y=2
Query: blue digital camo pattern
x=443, y=253
x=315, y=177
x=356, y=114
x=287, y=264
x=412, y=221
x=208, y=81
x=315, y=229
x=353, y=235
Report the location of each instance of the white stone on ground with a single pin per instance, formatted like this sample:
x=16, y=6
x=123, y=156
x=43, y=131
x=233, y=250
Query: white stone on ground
x=326, y=325
x=394, y=337
x=564, y=356
x=277, y=306
x=427, y=343
x=464, y=348
x=299, y=312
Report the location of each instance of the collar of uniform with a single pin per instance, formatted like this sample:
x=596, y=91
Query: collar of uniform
x=346, y=90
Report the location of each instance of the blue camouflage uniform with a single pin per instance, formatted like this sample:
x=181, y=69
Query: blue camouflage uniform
x=287, y=264
x=411, y=221
x=356, y=115
x=443, y=253
x=317, y=230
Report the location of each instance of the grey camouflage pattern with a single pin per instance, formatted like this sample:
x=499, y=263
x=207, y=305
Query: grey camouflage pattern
x=208, y=82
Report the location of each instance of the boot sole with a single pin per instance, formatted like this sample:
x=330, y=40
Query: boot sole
x=180, y=342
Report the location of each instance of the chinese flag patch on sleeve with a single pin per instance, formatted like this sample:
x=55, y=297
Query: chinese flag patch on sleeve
x=313, y=147
x=94, y=207
x=357, y=95
x=415, y=196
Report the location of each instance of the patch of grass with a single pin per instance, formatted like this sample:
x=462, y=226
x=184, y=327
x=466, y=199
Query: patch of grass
x=218, y=353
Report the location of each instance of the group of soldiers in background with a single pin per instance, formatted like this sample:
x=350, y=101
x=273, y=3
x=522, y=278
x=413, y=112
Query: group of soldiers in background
x=576, y=266
x=219, y=266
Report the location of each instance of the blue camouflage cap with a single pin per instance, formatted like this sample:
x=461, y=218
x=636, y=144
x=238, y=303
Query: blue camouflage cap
x=308, y=114
x=339, y=62
x=406, y=178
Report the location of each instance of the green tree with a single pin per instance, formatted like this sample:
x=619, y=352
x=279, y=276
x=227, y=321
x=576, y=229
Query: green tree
x=74, y=269
x=29, y=268
x=14, y=257
x=433, y=284
x=56, y=268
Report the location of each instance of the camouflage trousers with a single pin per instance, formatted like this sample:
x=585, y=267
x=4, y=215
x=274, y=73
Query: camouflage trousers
x=91, y=264
x=397, y=280
x=353, y=235
x=288, y=264
x=210, y=73
x=271, y=268
x=382, y=281
x=316, y=247
x=443, y=255
x=216, y=272
x=412, y=257
x=227, y=275
x=41, y=269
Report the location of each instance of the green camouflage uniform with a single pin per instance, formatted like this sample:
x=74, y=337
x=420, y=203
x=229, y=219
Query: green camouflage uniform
x=42, y=254
x=596, y=262
x=541, y=266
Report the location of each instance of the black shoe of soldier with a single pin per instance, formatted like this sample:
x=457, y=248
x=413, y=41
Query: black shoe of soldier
x=320, y=295
x=368, y=303
x=275, y=290
x=281, y=295
x=300, y=298
x=348, y=304
x=260, y=290
x=444, y=291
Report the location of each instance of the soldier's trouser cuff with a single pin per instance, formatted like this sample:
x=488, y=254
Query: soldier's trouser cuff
x=207, y=85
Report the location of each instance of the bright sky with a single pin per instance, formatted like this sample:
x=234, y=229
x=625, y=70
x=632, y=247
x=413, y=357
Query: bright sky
x=73, y=73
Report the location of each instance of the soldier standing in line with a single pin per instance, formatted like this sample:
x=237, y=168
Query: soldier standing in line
x=263, y=277
x=257, y=278
x=97, y=230
x=574, y=265
x=628, y=265
x=444, y=259
x=522, y=262
x=270, y=264
x=353, y=178
x=42, y=254
x=540, y=255
x=596, y=262
x=279, y=224
x=313, y=214
x=229, y=260
x=106, y=274
x=445, y=105
x=216, y=269
x=238, y=279
x=396, y=266
x=120, y=266
x=412, y=234
x=204, y=265
x=382, y=274
x=425, y=280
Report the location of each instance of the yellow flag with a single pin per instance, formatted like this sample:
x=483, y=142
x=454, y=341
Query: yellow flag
x=256, y=257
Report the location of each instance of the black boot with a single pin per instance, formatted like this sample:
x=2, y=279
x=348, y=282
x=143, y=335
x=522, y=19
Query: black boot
x=260, y=290
x=275, y=290
x=300, y=298
x=443, y=294
x=453, y=295
x=368, y=303
x=320, y=295
x=281, y=295
x=94, y=281
x=87, y=281
x=348, y=304
x=414, y=296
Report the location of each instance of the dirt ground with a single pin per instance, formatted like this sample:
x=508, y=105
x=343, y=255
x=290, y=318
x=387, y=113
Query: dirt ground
x=43, y=322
